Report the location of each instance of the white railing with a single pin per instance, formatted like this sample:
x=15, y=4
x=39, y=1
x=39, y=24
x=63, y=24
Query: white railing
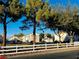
x=11, y=50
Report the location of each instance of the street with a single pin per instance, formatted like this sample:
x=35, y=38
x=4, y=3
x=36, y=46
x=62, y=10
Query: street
x=61, y=55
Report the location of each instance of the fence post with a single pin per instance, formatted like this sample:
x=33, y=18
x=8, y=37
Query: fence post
x=45, y=46
x=57, y=45
x=33, y=47
x=66, y=45
x=74, y=45
x=16, y=48
x=3, y=52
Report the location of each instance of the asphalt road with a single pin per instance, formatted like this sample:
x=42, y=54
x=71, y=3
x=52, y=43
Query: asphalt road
x=62, y=55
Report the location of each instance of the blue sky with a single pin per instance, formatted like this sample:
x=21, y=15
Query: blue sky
x=13, y=28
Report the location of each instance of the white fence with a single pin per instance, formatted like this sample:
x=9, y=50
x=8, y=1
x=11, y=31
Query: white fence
x=11, y=50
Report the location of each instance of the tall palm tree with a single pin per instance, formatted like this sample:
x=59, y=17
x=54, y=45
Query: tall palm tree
x=35, y=11
x=11, y=9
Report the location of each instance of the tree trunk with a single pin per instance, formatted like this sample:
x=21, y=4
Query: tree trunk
x=5, y=32
x=71, y=36
x=34, y=32
x=59, y=36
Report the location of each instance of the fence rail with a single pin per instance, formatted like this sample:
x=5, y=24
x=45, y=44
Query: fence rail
x=10, y=50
